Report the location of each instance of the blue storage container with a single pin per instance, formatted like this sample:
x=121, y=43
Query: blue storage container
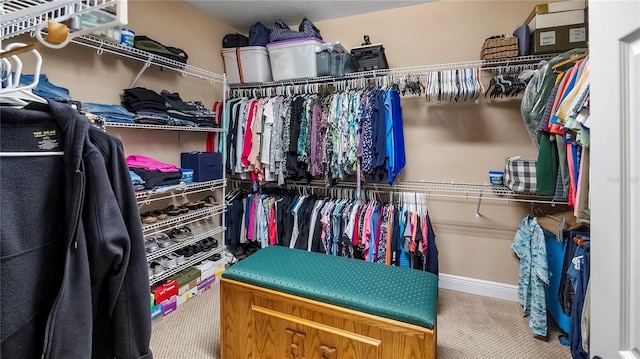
x=555, y=257
x=207, y=166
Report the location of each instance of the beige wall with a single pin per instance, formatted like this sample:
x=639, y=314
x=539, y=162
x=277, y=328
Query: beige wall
x=454, y=141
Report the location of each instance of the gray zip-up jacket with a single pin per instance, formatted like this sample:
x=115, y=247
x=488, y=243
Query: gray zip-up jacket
x=74, y=280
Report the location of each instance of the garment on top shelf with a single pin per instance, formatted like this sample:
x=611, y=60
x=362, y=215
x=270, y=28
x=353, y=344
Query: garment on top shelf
x=150, y=164
x=44, y=88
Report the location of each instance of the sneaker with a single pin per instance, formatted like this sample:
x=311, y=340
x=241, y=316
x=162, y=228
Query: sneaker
x=150, y=273
x=169, y=261
x=158, y=269
x=179, y=258
x=151, y=245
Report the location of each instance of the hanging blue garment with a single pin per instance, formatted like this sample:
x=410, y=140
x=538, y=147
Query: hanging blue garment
x=530, y=247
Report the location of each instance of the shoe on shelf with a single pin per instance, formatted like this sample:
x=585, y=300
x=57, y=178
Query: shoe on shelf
x=172, y=210
x=183, y=209
x=209, y=201
x=148, y=218
x=163, y=240
x=151, y=245
x=160, y=215
x=150, y=273
x=187, y=251
x=158, y=269
x=216, y=257
x=180, y=259
x=195, y=205
x=169, y=261
x=180, y=234
x=210, y=243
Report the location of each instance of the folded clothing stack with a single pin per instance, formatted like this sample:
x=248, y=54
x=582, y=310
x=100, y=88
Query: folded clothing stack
x=153, y=172
x=44, y=88
x=166, y=109
x=138, y=182
x=112, y=113
x=149, y=107
x=193, y=111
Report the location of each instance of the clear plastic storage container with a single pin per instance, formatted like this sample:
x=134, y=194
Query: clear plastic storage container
x=294, y=59
x=253, y=65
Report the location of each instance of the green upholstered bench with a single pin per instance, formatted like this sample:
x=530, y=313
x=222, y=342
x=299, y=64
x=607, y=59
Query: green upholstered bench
x=382, y=299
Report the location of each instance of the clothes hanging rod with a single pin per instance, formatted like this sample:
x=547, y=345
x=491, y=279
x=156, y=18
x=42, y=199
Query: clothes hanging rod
x=413, y=70
x=442, y=189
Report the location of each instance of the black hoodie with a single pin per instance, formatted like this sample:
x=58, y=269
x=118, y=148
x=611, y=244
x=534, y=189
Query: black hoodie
x=74, y=280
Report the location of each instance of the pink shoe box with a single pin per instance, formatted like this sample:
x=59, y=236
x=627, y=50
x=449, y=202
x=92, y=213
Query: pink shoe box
x=169, y=305
x=206, y=284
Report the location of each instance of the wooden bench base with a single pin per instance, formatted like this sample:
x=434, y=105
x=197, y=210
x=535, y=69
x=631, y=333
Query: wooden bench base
x=266, y=324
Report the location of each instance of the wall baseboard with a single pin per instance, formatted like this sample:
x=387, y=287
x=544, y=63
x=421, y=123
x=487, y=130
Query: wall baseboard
x=479, y=287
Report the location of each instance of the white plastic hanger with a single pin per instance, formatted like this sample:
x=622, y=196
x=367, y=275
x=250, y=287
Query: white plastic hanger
x=18, y=92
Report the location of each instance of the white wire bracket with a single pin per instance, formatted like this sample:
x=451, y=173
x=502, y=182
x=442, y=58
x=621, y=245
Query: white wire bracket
x=479, y=203
x=144, y=68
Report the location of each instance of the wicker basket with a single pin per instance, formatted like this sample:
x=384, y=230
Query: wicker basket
x=499, y=48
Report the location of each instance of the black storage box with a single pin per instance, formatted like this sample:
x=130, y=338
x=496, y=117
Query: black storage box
x=370, y=57
x=335, y=63
x=207, y=166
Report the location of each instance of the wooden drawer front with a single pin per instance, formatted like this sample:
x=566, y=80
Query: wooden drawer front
x=278, y=335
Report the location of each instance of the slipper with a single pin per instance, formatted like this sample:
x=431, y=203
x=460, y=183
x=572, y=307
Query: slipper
x=195, y=205
x=180, y=234
x=183, y=209
x=172, y=210
x=163, y=240
x=147, y=218
x=159, y=215
x=209, y=201
x=151, y=245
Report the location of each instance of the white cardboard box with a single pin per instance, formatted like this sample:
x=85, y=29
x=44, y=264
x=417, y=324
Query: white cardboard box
x=188, y=295
x=556, y=19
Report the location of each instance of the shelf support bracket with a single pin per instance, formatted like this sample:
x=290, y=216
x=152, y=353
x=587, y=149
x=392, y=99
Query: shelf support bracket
x=146, y=65
x=479, y=203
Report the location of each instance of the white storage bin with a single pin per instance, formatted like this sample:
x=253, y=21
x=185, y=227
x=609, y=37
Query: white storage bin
x=254, y=62
x=294, y=59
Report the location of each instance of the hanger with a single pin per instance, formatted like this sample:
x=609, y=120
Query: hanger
x=18, y=92
x=571, y=60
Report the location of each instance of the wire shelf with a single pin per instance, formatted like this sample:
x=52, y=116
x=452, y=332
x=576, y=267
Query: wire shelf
x=161, y=127
x=184, y=219
x=196, y=237
x=103, y=45
x=22, y=16
x=412, y=70
x=185, y=190
x=191, y=261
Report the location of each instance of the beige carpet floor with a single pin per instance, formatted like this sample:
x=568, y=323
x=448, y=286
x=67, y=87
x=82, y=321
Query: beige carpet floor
x=469, y=326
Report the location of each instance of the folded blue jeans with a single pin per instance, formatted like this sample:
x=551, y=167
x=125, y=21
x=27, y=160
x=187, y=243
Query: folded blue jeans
x=45, y=89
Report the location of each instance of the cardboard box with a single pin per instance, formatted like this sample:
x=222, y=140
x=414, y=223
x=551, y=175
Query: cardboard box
x=206, y=284
x=556, y=19
x=153, y=300
x=559, y=39
x=185, y=288
x=156, y=313
x=207, y=269
x=207, y=166
x=561, y=6
x=186, y=276
x=187, y=295
x=169, y=305
x=166, y=291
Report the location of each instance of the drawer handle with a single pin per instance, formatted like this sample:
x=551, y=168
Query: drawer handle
x=327, y=352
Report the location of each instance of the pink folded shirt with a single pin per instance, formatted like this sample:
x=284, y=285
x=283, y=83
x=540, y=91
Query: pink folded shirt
x=150, y=164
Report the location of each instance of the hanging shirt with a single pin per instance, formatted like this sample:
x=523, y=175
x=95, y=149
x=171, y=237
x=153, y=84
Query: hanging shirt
x=530, y=247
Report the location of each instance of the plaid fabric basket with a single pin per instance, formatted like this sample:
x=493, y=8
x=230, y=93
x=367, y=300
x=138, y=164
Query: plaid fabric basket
x=520, y=175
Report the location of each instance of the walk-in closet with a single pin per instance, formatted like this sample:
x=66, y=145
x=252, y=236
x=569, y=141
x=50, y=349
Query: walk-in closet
x=319, y=179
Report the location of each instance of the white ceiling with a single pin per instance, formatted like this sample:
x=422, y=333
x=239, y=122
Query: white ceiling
x=241, y=14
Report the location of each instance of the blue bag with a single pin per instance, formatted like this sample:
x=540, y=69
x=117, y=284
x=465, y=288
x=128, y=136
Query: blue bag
x=258, y=35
